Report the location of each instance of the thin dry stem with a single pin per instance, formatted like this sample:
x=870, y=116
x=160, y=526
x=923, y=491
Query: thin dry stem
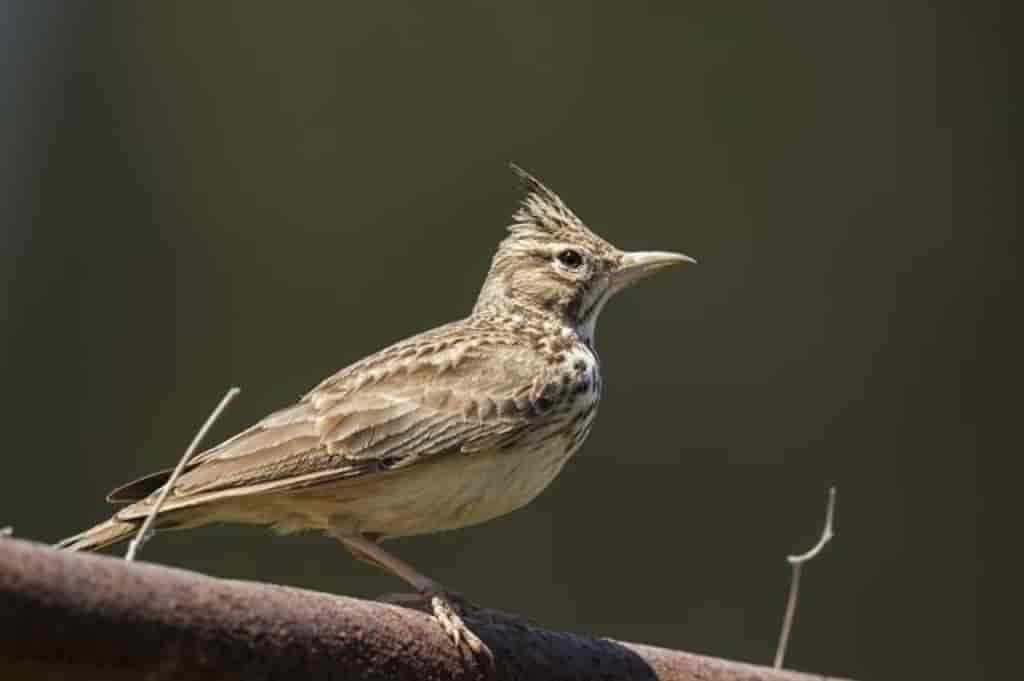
x=146, y=529
x=797, y=562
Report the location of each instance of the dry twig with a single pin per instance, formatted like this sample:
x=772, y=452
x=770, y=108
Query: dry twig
x=146, y=529
x=794, y=584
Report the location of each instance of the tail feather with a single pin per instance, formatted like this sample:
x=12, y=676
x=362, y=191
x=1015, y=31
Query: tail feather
x=137, y=490
x=106, y=533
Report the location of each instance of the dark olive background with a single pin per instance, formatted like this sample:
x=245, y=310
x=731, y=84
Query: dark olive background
x=200, y=195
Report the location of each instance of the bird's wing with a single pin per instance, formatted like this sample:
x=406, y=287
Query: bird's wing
x=438, y=393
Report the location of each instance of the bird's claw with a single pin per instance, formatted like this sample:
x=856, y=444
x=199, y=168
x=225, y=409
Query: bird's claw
x=448, y=608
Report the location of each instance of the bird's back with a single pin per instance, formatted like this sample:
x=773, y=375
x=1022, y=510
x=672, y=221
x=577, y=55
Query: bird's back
x=501, y=400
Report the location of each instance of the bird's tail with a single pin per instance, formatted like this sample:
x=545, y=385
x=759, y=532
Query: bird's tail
x=106, y=533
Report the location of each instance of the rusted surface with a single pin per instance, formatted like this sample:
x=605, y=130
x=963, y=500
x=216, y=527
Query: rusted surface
x=102, y=618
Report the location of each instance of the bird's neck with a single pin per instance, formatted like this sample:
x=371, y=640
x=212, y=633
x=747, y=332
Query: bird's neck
x=552, y=321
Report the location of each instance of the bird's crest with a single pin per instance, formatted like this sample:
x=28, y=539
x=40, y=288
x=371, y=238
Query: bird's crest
x=543, y=210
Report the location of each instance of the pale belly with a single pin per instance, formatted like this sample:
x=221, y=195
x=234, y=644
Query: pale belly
x=455, y=491
x=459, y=491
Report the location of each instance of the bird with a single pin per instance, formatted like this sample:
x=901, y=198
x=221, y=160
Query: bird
x=449, y=428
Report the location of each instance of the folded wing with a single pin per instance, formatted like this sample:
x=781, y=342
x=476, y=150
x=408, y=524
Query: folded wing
x=437, y=394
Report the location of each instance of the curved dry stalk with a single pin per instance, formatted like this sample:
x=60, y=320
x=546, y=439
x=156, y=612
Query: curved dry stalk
x=797, y=562
x=146, y=529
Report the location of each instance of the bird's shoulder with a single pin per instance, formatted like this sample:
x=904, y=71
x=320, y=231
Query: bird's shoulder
x=463, y=386
x=491, y=354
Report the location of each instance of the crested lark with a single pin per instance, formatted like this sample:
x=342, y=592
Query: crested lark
x=453, y=427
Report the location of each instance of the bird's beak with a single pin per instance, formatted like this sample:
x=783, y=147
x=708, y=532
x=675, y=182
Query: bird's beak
x=638, y=265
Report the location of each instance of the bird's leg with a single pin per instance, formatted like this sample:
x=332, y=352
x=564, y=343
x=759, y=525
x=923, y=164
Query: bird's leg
x=359, y=555
x=369, y=551
x=446, y=606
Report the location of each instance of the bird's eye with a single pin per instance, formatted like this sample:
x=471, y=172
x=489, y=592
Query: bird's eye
x=570, y=258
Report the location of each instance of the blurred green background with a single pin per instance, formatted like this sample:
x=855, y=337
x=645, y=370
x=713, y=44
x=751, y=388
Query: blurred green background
x=200, y=195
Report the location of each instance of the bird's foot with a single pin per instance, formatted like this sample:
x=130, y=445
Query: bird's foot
x=422, y=600
x=449, y=608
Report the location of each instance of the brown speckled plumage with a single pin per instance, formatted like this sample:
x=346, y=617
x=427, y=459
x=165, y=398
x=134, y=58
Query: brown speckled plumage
x=448, y=428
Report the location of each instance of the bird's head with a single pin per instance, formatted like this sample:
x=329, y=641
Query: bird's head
x=551, y=263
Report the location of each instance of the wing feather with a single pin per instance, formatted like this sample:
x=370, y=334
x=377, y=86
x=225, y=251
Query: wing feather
x=435, y=394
